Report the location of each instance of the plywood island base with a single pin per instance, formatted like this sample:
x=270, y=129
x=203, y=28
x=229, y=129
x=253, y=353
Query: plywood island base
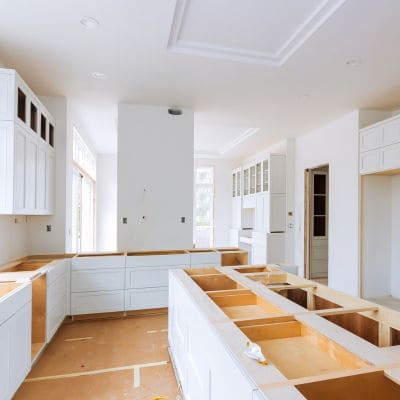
x=318, y=343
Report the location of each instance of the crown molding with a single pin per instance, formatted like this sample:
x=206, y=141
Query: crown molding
x=303, y=32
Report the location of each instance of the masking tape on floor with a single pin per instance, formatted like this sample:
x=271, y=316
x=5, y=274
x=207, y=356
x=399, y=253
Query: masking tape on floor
x=97, y=371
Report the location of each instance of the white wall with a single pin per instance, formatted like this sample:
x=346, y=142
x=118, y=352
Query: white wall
x=41, y=241
x=335, y=144
x=395, y=239
x=14, y=241
x=222, y=198
x=106, y=201
x=155, y=178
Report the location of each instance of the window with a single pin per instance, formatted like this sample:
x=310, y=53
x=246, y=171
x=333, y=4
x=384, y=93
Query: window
x=204, y=206
x=83, y=196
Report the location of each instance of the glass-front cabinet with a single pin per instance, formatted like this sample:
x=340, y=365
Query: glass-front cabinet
x=234, y=184
x=265, y=175
x=246, y=182
x=238, y=183
x=252, y=179
x=258, y=178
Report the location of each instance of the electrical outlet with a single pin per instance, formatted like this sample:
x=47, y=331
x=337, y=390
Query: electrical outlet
x=48, y=228
x=124, y=220
x=183, y=220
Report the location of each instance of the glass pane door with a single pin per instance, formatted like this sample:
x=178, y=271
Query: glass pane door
x=238, y=183
x=252, y=179
x=233, y=185
x=246, y=181
x=258, y=178
x=265, y=176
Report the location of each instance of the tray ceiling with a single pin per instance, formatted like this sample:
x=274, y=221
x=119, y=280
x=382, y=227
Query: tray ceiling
x=259, y=31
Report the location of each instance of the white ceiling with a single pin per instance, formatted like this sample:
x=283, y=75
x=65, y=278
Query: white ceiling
x=244, y=67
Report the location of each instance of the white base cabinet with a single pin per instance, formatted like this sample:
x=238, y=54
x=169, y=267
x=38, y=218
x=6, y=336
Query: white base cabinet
x=204, y=368
x=147, y=298
x=15, y=341
x=97, y=284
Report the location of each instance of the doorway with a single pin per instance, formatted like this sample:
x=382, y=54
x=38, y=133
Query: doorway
x=316, y=224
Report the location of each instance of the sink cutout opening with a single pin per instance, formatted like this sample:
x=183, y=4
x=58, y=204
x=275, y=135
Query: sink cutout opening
x=38, y=314
x=216, y=282
x=246, y=306
x=370, y=386
x=299, y=351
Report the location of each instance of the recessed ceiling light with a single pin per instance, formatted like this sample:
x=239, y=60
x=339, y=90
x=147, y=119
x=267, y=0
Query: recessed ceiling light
x=355, y=62
x=90, y=23
x=99, y=75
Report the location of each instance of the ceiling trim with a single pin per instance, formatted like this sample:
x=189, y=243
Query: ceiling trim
x=303, y=32
x=229, y=146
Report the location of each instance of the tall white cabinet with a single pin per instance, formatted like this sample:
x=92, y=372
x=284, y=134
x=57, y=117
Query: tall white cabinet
x=261, y=205
x=26, y=149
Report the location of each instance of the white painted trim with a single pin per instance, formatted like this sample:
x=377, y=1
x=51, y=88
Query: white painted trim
x=229, y=146
x=309, y=26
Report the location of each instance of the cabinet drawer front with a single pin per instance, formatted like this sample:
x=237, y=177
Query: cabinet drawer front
x=390, y=157
x=97, y=302
x=391, y=133
x=78, y=263
x=211, y=258
x=55, y=316
x=95, y=280
x=56, y=290
x=142, y=299
x=139, y=278
x=158, y=260
x=369, y=161
x=371, y=138
x=249, y=201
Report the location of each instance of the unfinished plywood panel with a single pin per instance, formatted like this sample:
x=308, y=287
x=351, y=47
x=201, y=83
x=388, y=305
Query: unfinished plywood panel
x=394, y=337
x=358, y=324
x=39, y=288
x=202, y=271
x=245, y=306
x=26, y=266
x=249, y=270
x=7, y=287
x=321, y=303
x=216, y=282
x=298, y=351
x=371, y=386
x=231, y=258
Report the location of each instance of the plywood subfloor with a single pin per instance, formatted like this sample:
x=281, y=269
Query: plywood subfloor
x=298, y=357
x=85, y=347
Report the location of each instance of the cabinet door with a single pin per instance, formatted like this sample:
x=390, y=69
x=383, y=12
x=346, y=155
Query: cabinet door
x=260, y=220
x=277, y=213
x=369, y=161
x=31, y=148
x=4, y=361
x=391, y=133
x=41, y=180
x=371, y=139
x=390, y=157
x=50, y=170
x=20, y=347
x=19, y=170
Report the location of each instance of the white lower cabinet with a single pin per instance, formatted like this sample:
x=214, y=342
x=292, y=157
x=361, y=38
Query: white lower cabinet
x=268, y=248
x=205, y=259
x=205, y=369
x=97, y=279
x=142, y=299
x=97, y=302
x=15, y=351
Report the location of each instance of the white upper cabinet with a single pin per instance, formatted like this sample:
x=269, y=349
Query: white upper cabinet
x=26, y=149
x=380, y=146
